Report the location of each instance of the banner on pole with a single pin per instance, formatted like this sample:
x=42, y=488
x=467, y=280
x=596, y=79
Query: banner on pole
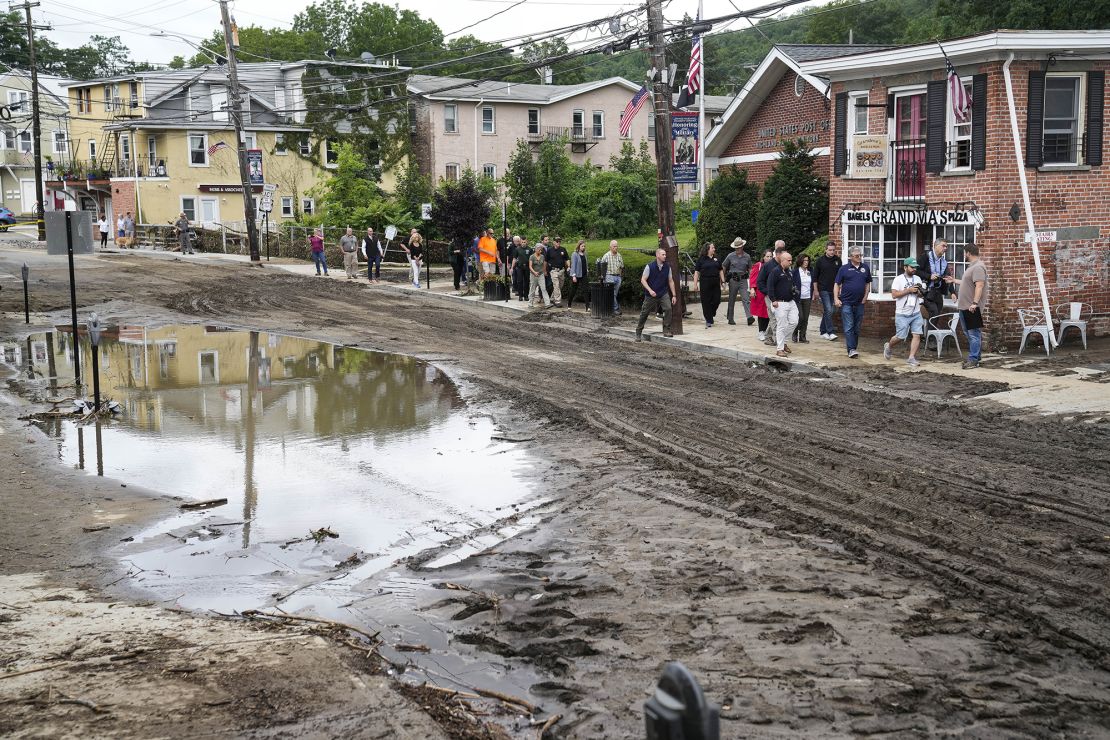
x=254, y=166
x=685, y=146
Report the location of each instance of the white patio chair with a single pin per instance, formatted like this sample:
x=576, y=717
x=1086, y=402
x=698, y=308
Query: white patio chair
x=933, y=330
x=1073, y=315
x=1033, y=322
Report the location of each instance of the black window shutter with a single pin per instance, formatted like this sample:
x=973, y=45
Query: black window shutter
x=840, y=153
x=979, y=122
x=890, y=105
x=1096, y=94
x=1034, y=122
x=936, y=121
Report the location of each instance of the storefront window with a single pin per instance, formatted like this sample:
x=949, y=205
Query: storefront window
x=957, y=237
x=884, y=248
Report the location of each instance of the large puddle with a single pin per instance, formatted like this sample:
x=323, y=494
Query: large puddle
x=375, y=453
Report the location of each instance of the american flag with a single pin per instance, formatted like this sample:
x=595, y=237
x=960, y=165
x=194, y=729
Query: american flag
x=632, y=109
x=219, y=145
x=687, y=95
x=957, y=93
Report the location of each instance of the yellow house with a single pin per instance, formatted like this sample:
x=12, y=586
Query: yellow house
x=160, y=143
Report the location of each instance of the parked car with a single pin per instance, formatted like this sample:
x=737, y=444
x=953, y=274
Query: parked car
x=7, y=218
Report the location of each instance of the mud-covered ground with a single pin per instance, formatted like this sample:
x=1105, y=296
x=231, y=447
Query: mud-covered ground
x=852, y=554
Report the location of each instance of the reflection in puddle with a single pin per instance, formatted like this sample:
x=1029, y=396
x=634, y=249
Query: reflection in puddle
x=297, y=435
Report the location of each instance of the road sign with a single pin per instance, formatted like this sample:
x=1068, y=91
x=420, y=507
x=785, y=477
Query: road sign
x=266, y=203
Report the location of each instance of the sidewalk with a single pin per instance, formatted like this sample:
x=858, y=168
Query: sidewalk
x=1058, y=389
x=1049, y=393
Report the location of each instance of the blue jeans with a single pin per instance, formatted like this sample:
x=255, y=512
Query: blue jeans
x=829, y=308
x=974, y=341
x=320, y=262
x=374, y=267
x=851, y=316
x=615, y=281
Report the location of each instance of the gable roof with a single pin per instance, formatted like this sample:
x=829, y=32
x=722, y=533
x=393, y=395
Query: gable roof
x=462, y=88
x=782, y=58
x=963, y=50
x=48, y=84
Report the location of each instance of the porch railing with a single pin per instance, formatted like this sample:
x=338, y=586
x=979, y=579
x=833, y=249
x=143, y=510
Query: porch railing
x=907, y=172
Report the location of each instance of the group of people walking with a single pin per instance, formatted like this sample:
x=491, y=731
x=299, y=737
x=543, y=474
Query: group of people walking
x=778, y=294
x=372, y=248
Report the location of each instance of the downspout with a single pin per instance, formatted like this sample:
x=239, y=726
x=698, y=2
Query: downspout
x=474, y=164
x=1025, y=198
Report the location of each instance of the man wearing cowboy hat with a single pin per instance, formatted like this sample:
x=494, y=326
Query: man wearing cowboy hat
x=736, y=267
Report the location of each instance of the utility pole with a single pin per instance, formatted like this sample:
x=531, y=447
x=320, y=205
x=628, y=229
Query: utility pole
x=36, y=128
x=661, y=98
x=235, y=104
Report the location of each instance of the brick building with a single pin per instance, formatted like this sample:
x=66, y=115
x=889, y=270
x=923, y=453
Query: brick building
x=905, y=171
x=779, y=101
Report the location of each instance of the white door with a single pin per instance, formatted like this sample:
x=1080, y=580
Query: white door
x=27, y=195
x=209, y=211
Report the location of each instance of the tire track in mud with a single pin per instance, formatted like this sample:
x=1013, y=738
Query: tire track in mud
x=989, y=516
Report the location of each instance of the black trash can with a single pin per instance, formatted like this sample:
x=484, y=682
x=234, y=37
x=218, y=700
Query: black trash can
x=601, y=299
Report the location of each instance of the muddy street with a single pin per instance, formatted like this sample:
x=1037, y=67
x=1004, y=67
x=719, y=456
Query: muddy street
x=834, y=553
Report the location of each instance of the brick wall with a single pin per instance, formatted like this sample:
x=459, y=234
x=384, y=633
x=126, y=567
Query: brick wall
x=123, y=198
x=782, y=115
x=1074, y=270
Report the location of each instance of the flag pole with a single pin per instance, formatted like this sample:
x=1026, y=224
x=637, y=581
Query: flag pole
x=701, y=112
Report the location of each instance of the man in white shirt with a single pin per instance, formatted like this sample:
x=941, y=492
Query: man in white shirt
x=908, y=291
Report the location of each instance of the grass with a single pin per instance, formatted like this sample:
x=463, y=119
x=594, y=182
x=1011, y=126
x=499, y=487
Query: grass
x=633, y=261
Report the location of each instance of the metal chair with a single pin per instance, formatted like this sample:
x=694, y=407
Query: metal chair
x=1071, y=315
x=1033, y=321
x=933, y=330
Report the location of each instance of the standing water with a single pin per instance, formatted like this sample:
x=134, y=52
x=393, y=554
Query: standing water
x=334, y=461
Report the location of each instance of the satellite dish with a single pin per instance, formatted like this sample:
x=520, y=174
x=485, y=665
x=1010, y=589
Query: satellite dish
x=390, y=232
x=367, y=57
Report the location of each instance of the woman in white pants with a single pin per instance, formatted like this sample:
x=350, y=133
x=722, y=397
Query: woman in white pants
x=415, y=251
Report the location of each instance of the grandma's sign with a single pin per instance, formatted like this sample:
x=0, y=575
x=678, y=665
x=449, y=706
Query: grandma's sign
x=911, y=218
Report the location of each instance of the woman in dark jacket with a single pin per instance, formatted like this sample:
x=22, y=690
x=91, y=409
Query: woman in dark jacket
x=579, y=276
x=708, y=272
x=803, y=289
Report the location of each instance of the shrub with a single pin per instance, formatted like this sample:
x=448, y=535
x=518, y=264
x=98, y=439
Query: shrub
x=795, y=205
x=730, y=210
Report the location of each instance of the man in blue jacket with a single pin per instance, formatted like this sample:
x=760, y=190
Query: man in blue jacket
x=853, y=285
x=780, y=291
x=659, y=292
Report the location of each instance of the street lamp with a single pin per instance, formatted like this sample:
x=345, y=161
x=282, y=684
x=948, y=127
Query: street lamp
x=94, y=337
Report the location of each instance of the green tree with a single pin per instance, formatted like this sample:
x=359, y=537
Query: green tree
x=103, y=56
x=344, y=198
x=461, y=209
x=413, y=188
x=178, y=62
x=473, y=56
x=383, y=30
x=541, y=186
x=257, y=44
x=795, y=203
x=730, y=209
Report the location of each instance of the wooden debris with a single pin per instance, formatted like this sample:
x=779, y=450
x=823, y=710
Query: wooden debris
x=198, y=505
x=97, y=528
x=490, y=694
x=551, y=721
x=407, y=648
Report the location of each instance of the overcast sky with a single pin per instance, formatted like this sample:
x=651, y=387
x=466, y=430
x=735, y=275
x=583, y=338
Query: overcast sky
x=135, y=20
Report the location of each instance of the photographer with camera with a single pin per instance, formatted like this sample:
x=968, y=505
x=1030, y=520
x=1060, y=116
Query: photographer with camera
x=909, y=292
x=736, y=268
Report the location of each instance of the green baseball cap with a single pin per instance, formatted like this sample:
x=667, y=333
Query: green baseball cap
x=910, y=262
